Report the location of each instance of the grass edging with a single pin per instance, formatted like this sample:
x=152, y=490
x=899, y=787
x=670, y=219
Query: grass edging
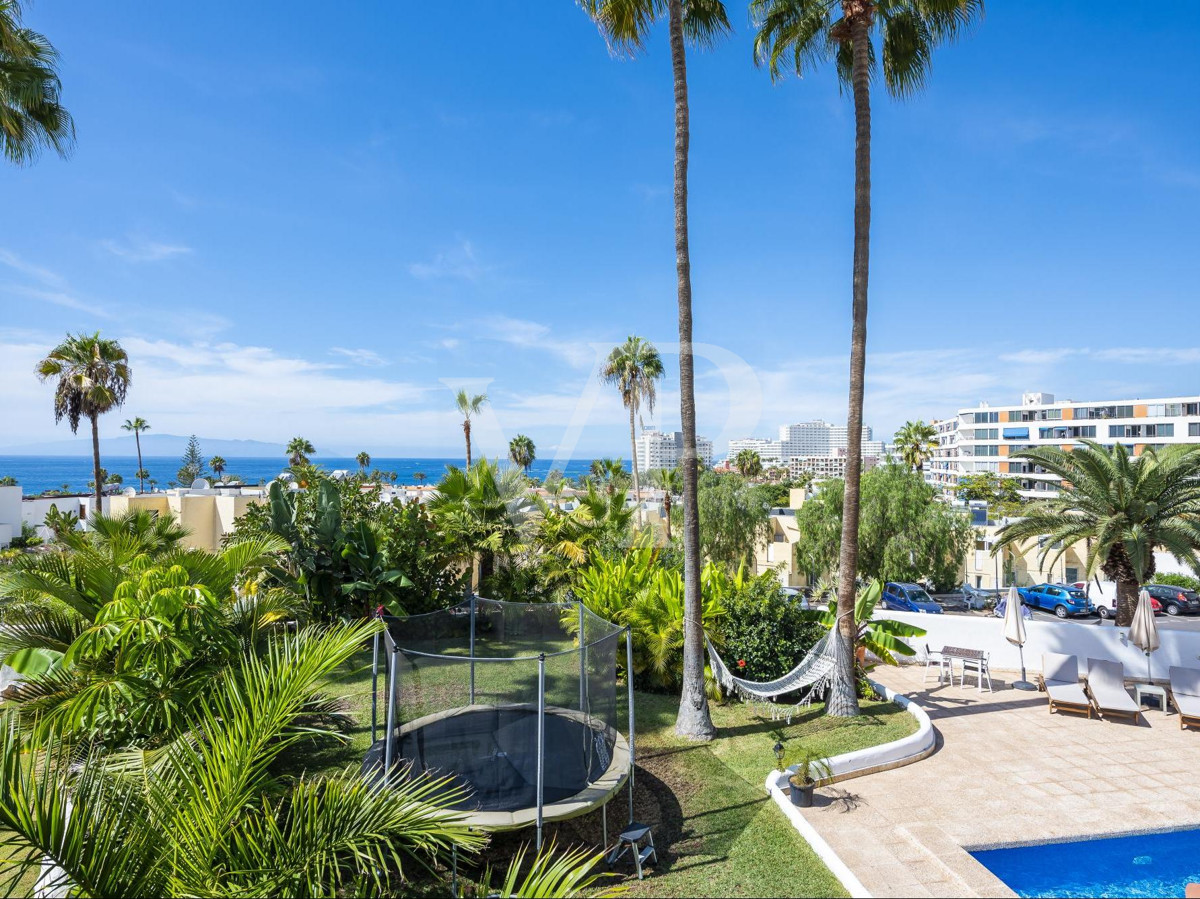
x=860, y=762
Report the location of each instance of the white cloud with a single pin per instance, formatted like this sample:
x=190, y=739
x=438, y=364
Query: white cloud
x=458, y=263
x=36, y=272
x=142, y=250
x=51, y=287
x=536, y=336
x=365, y=358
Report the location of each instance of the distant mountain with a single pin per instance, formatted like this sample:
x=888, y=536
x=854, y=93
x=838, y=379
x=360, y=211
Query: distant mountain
x=152, y=445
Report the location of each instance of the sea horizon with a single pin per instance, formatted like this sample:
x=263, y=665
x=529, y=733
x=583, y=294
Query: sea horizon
x=36, y=474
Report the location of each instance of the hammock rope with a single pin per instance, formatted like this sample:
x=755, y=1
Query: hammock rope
x=812, y=674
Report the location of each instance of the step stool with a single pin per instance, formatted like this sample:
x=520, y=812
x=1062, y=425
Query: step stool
x=630, y=840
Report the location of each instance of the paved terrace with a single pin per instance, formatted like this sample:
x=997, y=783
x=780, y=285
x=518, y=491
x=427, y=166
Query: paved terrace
x=1005, y=772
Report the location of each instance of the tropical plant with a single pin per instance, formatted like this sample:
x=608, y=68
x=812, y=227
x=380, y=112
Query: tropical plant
x=800, y=34
x=31, y=114
x=916, y=442
x=670, y=482
x=748, y=464
x=8, y=481
x=298, y=451
x=552, y=873
x=191, y=467
x=1000, y=493
x=766, y=632
x=419, y=477
x=27, y=538
x=138, y=426
x=522, y=452
x=1122, y=506
x=364, y=461
x=217, y=464
x=469, y=406
x=812, y=768
x=92, y=375
x=626, y=25
x=484, y=512
x=882, y=637
x=209, y=813
x=609, y=474
x=1172, y=579
x=634, y=368
x=59, y=522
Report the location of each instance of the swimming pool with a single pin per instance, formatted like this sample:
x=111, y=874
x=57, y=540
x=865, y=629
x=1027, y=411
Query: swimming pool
x=1154, y=864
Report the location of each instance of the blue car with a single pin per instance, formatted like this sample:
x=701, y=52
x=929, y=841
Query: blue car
x=1062, y=600
x=908, y=598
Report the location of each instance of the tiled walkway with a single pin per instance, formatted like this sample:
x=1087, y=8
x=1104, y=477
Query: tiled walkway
x=1005, y=771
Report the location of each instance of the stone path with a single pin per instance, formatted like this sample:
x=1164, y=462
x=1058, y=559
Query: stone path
x=1005, y=772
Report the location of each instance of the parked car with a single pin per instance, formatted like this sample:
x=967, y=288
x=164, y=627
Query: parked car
x=795, y=594
x=1061, y=599
x=908, y=598
x=1103, y=595
x=1175, y=600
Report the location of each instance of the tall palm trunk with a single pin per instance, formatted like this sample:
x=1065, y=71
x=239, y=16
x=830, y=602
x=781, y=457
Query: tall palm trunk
x=137, y=438
x=637, y=484
x=667, y=511
x=694, y=720
x=1120, y=570
x=467, y=436
x=96, y=463
x=843, y=700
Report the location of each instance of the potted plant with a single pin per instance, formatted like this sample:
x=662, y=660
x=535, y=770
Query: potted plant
x=810, y=770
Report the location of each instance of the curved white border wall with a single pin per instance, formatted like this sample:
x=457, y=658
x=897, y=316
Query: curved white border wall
x=895, y=754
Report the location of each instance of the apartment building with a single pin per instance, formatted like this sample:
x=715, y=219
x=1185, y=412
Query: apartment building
x=828, y=466
x=983, y=438
x=808, y=439
x=661, y=449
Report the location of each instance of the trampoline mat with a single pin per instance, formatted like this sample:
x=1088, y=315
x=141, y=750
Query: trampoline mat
x=492, y=753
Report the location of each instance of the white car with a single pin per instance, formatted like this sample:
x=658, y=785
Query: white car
x=1103, y=595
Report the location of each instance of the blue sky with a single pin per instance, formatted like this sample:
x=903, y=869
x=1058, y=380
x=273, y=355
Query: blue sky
x=305, y=218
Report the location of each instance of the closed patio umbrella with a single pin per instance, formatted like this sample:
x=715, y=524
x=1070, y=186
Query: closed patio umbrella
x=1143, y=632
x=1014, y=633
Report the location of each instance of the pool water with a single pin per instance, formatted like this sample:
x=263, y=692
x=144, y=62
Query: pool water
x=1157, y=864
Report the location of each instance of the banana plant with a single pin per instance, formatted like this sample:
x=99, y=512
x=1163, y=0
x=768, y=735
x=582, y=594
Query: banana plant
x=883, y=638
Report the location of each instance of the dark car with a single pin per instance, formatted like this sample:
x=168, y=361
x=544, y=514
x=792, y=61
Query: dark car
x=908, y=598
x=1175, y=600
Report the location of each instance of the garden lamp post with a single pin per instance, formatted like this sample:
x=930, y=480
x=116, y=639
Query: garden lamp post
x=778, y=750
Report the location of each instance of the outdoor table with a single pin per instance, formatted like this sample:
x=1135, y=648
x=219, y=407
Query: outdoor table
x=1140, y=690
x=962, y=655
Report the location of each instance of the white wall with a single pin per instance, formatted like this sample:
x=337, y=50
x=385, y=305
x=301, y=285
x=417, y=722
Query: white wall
x=33, y=511
x=1083, y=639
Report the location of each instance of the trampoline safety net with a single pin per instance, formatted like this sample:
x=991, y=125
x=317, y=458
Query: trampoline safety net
x=465, y=692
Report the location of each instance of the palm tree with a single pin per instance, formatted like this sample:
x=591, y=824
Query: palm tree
x=217, y=464
x=916, y=443
x=522, y=452
x=93, y=378
x=364, y=461
x=468, y=406
x=419, y=477
x=298, y=451
x=609, y=473
x=626, y=24
x=634, y=367
x=670, y=482
x=748, y=463
x=31, y=116
x=1122, y=506
x=138, y=426
x=799, y=34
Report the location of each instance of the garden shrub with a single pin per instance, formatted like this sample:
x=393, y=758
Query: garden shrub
x=766, y=630
x=1183, y=581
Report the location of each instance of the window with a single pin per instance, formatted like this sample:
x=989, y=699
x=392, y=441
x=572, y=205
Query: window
x=987, y=418
x=1016, y=433
x=987, y=433
x=1194, y=429
x=987, y=450
x=1104, y=412
x=1072, y=574
x=1191, y=408
x=1067, y=432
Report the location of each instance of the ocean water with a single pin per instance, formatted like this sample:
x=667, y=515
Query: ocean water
x=1159, y=864
x=38, y=473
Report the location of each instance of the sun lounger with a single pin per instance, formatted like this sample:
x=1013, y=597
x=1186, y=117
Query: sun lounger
x=1185, y=695
x=1106, y=685
x=1060, y=680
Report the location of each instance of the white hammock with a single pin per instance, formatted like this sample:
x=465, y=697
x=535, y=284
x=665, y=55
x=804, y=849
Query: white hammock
x=814, y=673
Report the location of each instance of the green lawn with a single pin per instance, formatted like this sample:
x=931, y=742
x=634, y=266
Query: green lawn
x=717, y=831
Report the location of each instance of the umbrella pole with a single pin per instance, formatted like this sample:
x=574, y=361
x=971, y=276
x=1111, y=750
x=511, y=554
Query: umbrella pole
x=1022, y=684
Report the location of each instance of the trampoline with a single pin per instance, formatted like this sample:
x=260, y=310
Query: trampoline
x=514, y=704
